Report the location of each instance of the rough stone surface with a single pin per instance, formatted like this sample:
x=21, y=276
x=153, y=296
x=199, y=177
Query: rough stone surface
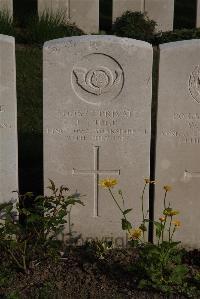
x=7, y=5
x=198, y=14
x=178, y=135
x=54, y=6
x=97, y=103
x=84, y=13
x=161, y=11
x=8, y=119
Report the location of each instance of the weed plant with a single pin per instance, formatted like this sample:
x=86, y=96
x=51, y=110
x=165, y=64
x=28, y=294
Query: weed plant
x=50, y=26
x=160, y=265
x=27, y=242
x=6, y=23
x=134, y=25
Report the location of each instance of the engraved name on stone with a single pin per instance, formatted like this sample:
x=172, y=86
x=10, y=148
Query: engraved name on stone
x=105, y=125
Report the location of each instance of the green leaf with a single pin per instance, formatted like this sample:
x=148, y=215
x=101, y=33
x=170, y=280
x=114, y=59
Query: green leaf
x=127, y=211
x=52, y=187
x=126, y=225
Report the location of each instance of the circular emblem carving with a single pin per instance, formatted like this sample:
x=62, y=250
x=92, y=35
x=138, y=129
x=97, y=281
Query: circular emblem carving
x=97, y=79
x=194, y=84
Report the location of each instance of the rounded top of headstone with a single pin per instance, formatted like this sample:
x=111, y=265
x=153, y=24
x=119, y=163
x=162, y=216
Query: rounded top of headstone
x=103, y=38
x=7, y=38
x=179, y=44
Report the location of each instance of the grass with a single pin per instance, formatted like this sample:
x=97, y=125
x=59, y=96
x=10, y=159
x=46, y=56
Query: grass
x=29, y=91
x=6, y=23
x=48, y=27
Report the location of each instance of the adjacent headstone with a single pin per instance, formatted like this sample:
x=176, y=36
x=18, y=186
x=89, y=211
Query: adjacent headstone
x=84, y=13
x=198, y=14
x=161, y=11
x=97, y=104
x=7, y=6
x=54, y=6
x=120, y=6
x=178, y=135
x=8, y=120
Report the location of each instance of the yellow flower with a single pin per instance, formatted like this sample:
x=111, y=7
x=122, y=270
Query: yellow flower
x=167, y=188
x=148, y=181
x=162, y=219
x=108, y=183
x=176, y=223
x=135, y=233
x=170, y=212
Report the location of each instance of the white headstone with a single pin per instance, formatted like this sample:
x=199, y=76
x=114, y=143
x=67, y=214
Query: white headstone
x=178, y=135
x=54, y=6
x=7, y=6
x=97, y=103
x=120, y=6
x=84, y=13
x=161, y=11
x=198, y=14
x=8, y=119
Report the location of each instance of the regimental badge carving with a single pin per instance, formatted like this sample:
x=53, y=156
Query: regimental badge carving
x=194, y=84
x=97, y=79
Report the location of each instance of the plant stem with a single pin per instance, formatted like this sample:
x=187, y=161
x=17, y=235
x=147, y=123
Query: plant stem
x=116, y=201
x=118, y=206
x=163, y=229
x=170, y=228
x=165, y=199
x=173, y=233
x=142, y=200
x=24, y=256
x=15, y=259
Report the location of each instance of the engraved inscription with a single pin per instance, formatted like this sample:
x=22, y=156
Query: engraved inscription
x=185, y=128
x=97, y=79
x=194, y=84
x=2, y=108
x=191, y=175
x=99, y=125
x=96, y=172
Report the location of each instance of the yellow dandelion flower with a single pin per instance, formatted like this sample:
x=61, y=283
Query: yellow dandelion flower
x=108, y=183
x=148, y=181
x=162, y=219
x=167, y=188
x=174, y=213
x=176, y=223
x=170, y=212
x=135, y=233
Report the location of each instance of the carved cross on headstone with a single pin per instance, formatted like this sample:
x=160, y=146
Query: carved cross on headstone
x=191, y=175
x=96, y=172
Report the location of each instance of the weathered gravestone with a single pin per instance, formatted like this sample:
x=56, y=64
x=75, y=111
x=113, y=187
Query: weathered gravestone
x=97, y=103
x=84, y=13
x=178, y=135
x=8, y=119
x=7, y=6
x=161, y=11
x=198, y=14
